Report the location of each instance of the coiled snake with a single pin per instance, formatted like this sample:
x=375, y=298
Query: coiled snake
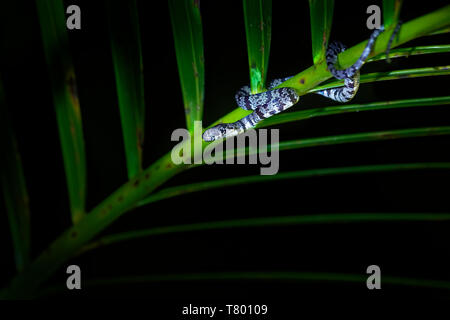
x=273, y=101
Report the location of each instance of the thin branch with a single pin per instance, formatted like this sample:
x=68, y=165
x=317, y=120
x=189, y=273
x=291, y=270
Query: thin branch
x=273, y=276
x=265, y=222
x=222, y=183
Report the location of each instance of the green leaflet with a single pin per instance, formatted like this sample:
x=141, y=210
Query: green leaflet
x=62, y=75
x=406, y=52
x=443, y=30
x=392, y=75
x=222, y=183
x=321, y=15
x=340, y=109
x=128, y=67
x=258, y=26
x=188, y=37
x=348, y=138
x=14, y=189
x=365, y=136
x=276, y=276
x=275, y=221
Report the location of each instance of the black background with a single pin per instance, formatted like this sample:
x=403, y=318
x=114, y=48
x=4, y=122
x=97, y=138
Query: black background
x=400, y=249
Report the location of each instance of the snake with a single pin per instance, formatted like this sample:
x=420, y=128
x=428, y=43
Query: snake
x=274, y=101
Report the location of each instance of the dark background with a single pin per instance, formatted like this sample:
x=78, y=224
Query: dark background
x=400, y=249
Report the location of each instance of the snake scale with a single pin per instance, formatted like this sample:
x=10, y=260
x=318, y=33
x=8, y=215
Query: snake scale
x=273, y=101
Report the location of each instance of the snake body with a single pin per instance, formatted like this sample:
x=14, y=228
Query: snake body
x=273, y=101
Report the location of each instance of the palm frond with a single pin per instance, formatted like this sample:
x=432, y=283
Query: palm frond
x=143, y=184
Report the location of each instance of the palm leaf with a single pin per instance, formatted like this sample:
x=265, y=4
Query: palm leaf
x=406, y=52
x=278, y=221
x=270, y=276
x=188, y=37
x=391, y=12
x=391, y=75
x=223, y=183
x=321, y=16
x=341, y=109
x=14, y=189
x=347, y=138
x=441, y=31
x=128, y=67
x=65, y=100
x=258, y=28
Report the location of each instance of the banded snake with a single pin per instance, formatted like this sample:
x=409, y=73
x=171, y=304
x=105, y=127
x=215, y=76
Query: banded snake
x=273, y=101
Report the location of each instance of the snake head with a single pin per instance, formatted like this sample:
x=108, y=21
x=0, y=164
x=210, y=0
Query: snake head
x=211, y=134
x=223, y=130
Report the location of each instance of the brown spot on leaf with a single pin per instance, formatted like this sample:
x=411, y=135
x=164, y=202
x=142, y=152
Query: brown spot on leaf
x=136, y=183
x=140, y=137
x=194, y=67
x=120, y=199
x=197, y=4
x=387, y=135
x=72, y=86
x=302, y=80
x=73, y=234
x=147, y=176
